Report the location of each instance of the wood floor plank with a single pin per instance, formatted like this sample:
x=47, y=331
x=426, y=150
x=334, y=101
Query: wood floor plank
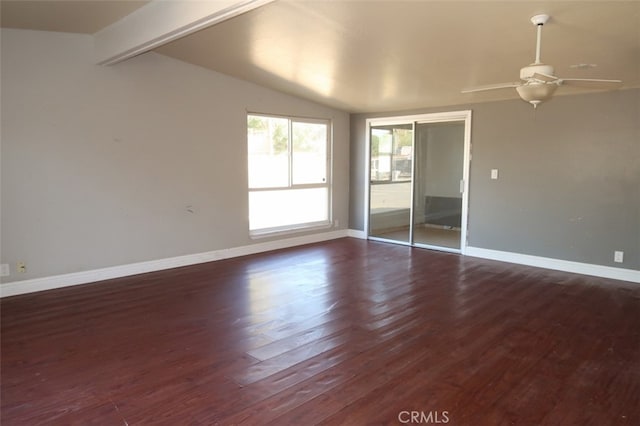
x=342, y=332
x=292, y=357
x=355, y=362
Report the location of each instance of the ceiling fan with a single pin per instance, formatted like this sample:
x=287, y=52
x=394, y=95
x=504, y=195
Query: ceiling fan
x=537, y=81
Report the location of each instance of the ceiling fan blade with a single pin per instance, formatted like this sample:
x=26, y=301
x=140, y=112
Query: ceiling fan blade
x=544, y=77
x=491, y=87
x=590, y=83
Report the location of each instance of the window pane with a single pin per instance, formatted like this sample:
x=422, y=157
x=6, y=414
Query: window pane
x=381, y=168
x=271, y=209
x=309, y=153
x=382, y=141
x=381, y=148
x=268, y=146
x=402, y=156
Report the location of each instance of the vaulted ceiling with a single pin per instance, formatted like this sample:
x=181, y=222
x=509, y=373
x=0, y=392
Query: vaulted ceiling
x=369, y=56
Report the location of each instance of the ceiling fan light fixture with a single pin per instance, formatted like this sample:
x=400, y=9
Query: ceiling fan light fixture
x=538, y=81
x=536, y=93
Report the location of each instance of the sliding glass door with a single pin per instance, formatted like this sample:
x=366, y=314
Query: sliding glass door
x=437, y=205
x=390, y=185
x=418, y=174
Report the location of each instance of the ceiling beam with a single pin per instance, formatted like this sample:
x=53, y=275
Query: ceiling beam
x=162, y=21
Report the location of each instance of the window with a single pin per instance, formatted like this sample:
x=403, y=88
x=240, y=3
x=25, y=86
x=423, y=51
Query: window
x=289, y=185
x=391, y=154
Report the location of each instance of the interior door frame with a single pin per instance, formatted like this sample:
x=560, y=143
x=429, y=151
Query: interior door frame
x=439, y=117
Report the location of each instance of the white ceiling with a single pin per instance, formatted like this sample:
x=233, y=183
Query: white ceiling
x=368, y=55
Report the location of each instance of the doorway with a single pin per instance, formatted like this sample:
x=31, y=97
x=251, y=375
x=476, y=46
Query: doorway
x=418, y=174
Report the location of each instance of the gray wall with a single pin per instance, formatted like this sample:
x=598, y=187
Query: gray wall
x=569, y=183
x=443, y=151
x=439, y=153
x=105, y=166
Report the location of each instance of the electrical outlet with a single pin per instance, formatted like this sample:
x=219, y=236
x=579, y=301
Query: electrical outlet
x=21, y=267
x=336, y=223
x=618, y=256
x=4, y=270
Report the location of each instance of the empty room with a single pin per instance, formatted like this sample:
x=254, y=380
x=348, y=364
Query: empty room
x=300, y=212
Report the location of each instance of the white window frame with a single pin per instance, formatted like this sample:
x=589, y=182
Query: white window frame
x=298, y=227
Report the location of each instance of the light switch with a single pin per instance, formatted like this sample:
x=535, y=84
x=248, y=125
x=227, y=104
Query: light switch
x=494, y=173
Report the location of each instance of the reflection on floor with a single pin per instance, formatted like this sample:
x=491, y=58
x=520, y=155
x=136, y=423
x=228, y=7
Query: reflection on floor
x=429, y=235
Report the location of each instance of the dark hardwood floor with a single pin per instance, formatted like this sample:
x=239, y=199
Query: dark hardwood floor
x=346, y=332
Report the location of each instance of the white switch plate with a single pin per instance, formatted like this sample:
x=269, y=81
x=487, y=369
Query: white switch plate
x=4, y=270
x=494, y=173
x=618, y=256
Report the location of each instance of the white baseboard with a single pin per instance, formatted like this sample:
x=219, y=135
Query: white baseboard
x=355, y=233
x=556, y=264
x=76, y=278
